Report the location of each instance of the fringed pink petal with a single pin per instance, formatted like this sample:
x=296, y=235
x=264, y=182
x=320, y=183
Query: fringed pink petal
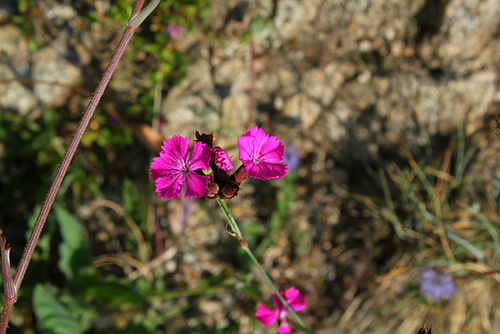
x=266, y=315
x=284, y=328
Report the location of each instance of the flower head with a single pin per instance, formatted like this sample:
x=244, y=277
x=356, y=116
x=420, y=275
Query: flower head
x=173, y=170
x=175, y=30
x=436, y=285
x=262, y=154
x=221, y=159
x=268, y=316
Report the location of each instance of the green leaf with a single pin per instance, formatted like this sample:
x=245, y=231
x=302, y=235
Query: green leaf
x=50, y=117
x=52, y=316
x=130, y=198
x=74, y=255
x=114, y=294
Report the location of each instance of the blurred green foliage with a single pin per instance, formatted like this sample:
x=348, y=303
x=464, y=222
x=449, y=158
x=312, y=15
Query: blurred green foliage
x=156, y=49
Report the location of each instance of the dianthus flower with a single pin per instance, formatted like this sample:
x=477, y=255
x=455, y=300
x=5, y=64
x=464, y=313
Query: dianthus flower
x=221, y=159
x=268, y=316
x=262, y=154
x=436, y=285
x=173, y=170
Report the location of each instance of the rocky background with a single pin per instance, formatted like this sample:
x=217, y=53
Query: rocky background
x=357, y=86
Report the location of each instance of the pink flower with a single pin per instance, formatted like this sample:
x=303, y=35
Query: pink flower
x=175, y=30
x=262, y=154
x=221, y=159
x=173, y=170
x=268, y=316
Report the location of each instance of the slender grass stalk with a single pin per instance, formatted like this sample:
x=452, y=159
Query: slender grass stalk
x=424, y=179
x=239, y=236
x=488, y=226
x=391, y=210
x=136, y=18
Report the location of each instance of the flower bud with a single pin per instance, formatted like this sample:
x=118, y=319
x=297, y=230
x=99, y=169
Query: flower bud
x=230, y=190
x=240, y=174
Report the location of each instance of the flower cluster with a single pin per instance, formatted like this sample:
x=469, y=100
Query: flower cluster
x=268, y=316
x=206, y=172
x=436, y=285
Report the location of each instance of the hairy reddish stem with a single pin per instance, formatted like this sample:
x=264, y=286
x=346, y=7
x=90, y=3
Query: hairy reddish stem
x=137, y=7
x=70, y=152
x=11, y=289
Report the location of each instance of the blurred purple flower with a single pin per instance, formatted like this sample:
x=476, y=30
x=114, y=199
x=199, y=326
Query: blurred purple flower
x=436, y=285
x=268, y=316
x=291, y=157
x=175, y=30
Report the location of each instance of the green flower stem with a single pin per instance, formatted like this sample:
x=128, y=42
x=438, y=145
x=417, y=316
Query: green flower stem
x=239, y=236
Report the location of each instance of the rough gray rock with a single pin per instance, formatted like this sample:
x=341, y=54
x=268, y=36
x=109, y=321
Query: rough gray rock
x=43, y=78
x=54, y=75
x=345, y=74
x=14, y=66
